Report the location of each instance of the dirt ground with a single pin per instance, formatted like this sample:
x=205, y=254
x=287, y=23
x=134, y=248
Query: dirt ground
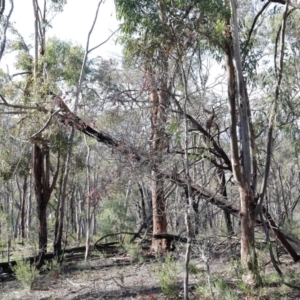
x=117, y=277
x=100, y=278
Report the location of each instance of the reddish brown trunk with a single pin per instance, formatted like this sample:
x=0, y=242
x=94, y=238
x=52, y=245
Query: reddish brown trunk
x=42, y=218
x=43, y=190
x=159, y=212
x=158, y=146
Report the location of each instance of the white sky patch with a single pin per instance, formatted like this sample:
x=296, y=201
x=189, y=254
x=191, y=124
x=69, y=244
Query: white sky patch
x=73, y=24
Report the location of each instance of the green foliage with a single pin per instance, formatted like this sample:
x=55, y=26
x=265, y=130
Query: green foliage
x=58, y=5
x=116, y=216
x=24, y=61
x=167, y=276
x=26, y=273
x=149, y=28
x=134, y=251
x=292, y=226
x=63, y=61
x=175, y=130
x=220, y=289
x=224, y=290
x=193, y=269
x=52, y=268
x=219, y=28
x=271, y=279
x=84, y=265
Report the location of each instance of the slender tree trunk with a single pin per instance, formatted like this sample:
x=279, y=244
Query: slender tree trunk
x=88, y=202
x=59, y=214
x=223, y=191
x=59, y=223
x=23, y=209
x=244, y=170
x=28, y=210
x=159, y=212
x=142, y=207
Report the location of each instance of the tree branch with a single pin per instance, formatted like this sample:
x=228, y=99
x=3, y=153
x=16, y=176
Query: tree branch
x=46, y=124
x=3, y=42
x=5, y=103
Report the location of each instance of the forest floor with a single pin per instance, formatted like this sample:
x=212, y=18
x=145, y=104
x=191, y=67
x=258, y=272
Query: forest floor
x=144, y=276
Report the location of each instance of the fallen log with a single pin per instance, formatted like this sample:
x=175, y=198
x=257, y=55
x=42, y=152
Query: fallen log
x=6, y=267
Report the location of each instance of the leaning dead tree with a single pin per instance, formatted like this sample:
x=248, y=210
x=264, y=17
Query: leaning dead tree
x=66, y=117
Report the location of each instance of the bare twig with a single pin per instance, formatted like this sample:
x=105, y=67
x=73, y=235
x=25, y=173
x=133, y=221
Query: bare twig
x=99, y=45
x=253, y=25
x=77, y=284
x=46, y=124
x=5, y=103
x=119, y=284
x=272, y=118
x=3, y=42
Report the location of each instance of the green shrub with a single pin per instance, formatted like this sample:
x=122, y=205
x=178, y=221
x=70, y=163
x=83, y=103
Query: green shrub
x=52, y=268
x=26, y=273
x=167, y=275
x=134, y=251
x=193, y=269
x=116, y=217
x=220, y=289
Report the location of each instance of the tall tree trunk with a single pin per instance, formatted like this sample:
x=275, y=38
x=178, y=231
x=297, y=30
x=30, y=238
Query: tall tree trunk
x=88, y=201
x=247, y=216
x=42, y=193
x=245, y=170
x=158, y=146
x=58, y=227
x=43, y=190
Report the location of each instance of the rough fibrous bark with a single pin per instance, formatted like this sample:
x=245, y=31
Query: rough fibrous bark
x=43, y=189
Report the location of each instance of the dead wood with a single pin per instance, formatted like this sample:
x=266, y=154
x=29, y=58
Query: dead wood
x=223, y=203
x=135, y=234
x=6, y=267
x=69, y=119
x=171, y=237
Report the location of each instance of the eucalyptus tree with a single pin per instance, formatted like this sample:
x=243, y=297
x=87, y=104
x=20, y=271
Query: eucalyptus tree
x=155, y=30
x=5, y=20
x=147, y=41
x=28, y=97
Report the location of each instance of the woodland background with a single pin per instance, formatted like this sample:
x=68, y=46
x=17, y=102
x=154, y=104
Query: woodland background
x=191, y=137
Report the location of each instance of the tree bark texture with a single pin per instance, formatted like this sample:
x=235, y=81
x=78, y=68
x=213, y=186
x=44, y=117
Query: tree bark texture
x=40, y=161
x=243, y=163
x=43, y=190
x=158, y=146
